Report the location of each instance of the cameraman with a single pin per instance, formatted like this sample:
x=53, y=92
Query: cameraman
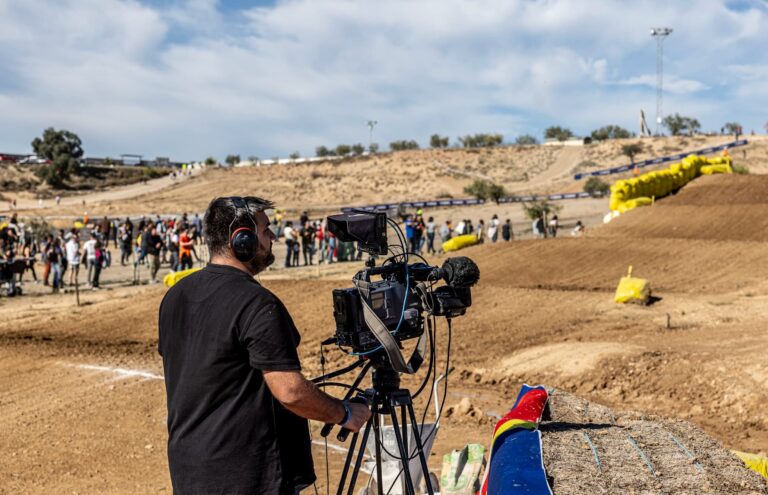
x=236, y=396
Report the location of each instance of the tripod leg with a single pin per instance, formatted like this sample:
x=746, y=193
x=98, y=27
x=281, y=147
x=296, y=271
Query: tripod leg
x=359, y=460
x=420, y=449
x=377, y=441
x=405, y=427
x=347, y=463
x=403, y=453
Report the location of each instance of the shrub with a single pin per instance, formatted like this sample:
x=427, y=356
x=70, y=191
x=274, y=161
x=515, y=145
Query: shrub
x=610, y=132
x=557, y=132
x=484, y=190
x=596, y=187
x=438, y=141
x=740, y=170
x=526, y=139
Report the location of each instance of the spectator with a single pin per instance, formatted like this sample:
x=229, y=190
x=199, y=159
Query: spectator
x=29, y=251
x=98, y=264
x=288, y=233
x=308, y=242
x=480, y=233
x=431, y=230
x=154, y=247
x=55, y=255
x=493, y=228
x=186, y=245
x=578, y=230
x=90, y=255
x=553, y=226
x=506, y=230
x=72, y=248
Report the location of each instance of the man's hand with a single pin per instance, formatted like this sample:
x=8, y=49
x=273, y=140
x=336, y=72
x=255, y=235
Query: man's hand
x=358, y=416
x=303, y=398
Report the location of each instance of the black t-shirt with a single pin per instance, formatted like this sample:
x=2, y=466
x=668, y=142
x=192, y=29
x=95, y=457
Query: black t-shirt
x=219, y=329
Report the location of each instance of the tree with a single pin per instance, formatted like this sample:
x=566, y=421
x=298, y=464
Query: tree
x=358, y=149
x=253, y=158
x=541, y=209
x=693, y=126
x=373, y=148
x=438, y=141
x=482, y=189
x=295, y=155
x=210, y=161
x=321, y=151
x=402, y=145
x=596, y=187
x=610, y=132
x=64, y=149
x=678, y=123
x=232, y=160
x=732, y=128
x=481, y=140
x=631, y=150
x=343, y=149
x=557, y=132
x=525, y=140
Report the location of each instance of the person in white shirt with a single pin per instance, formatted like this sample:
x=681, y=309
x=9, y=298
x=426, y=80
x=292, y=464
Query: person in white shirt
x=72, y=249
x=90, y=255
x=493, y=228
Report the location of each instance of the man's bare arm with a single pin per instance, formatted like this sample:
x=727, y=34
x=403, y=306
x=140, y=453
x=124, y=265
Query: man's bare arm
x=303, y=398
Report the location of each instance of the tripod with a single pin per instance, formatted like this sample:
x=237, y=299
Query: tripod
x=385, y=397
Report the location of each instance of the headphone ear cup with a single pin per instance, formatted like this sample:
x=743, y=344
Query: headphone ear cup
x=243, y=243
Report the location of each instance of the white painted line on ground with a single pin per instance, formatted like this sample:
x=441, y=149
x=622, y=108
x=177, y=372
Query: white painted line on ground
x=120, y=372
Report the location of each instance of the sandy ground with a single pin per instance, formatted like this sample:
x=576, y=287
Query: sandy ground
x=83, y=402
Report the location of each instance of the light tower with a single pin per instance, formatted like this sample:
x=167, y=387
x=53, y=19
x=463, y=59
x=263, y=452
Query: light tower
x=660, y=34
x=371, y=125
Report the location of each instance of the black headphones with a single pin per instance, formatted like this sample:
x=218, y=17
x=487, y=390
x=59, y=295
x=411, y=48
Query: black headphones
x=244, y=240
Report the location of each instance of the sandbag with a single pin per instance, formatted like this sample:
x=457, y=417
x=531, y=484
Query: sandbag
x=716, y=169
x=172, y=278
x=632, y=289
x=459, y=242
x=756, y=463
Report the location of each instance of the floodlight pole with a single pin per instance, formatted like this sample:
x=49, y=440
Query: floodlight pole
x=371, y=125
x=660, y=34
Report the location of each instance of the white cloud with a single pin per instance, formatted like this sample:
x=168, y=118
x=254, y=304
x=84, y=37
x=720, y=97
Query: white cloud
x=672, y=84
x=187, y=80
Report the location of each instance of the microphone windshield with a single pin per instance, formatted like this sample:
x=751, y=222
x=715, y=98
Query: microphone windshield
x=460, y=272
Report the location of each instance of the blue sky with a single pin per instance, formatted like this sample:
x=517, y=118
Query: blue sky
x=193, y=78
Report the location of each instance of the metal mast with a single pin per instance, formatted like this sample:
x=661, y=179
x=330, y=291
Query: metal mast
x=371, y=125
x=660, y=34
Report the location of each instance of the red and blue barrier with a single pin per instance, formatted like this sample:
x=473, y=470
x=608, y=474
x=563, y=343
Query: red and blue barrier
x=516, y=465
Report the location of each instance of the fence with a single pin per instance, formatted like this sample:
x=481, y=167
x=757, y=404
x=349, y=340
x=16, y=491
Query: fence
x=663, y=159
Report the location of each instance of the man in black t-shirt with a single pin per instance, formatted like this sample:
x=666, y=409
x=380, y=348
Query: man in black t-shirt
x=237, y=402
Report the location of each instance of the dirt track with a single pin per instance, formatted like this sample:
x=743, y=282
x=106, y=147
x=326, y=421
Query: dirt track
x=543, y=313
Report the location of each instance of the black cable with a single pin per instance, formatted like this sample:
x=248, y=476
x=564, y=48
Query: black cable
x=431, y=357
x=325, y=439
x=339, y=384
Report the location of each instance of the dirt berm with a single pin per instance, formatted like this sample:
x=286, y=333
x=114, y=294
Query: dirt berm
x=590, y=449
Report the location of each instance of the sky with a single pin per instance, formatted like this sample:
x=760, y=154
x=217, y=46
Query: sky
x=188, y=79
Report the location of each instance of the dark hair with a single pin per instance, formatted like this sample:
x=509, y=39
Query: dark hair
x=220, y=215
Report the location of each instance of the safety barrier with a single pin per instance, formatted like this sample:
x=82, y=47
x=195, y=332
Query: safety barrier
x=643, y=190
x=435, y=203
x=663, y=159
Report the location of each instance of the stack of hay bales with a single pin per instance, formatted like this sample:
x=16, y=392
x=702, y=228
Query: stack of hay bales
x=643, y=190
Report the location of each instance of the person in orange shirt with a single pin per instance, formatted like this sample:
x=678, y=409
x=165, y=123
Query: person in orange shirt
x=185, y=249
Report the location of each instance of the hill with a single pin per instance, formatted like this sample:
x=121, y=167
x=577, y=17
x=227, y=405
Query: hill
x=391, y=177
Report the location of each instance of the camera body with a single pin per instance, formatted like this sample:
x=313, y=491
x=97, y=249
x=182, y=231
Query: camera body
x=403, y=295
x=392, y=296
x=386, y=298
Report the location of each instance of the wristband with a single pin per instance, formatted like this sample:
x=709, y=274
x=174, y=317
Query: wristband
x=347, y=413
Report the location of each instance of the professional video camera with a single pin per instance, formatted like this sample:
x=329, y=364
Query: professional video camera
x=372, y=319
x=395, y=304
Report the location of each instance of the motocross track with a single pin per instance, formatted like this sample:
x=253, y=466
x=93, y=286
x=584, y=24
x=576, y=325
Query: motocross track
x=83, y=402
